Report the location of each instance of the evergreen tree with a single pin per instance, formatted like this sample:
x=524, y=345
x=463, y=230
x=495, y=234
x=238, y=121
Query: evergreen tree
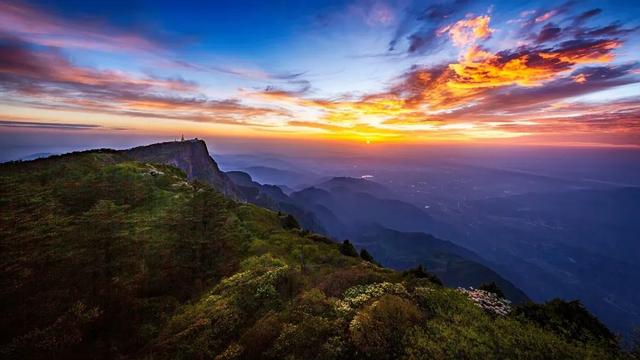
x=420, y=273
x=346, y=248
x=635, y=344
x=364, y=254
x=289, y=222
x=492, y=287
x=106, y=242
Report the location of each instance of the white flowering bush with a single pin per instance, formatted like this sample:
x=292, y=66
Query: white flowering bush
x=262, y=270
x=266, y=284
x=359, y=295
x=232, y=282
x=488, y=301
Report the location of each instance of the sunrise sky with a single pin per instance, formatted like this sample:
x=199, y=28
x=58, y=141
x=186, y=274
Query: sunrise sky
x=541, y=72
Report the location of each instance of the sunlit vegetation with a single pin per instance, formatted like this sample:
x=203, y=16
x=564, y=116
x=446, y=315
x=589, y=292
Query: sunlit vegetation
x=103, y=257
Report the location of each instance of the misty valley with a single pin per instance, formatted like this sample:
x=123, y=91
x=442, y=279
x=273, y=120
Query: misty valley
x=548, y=225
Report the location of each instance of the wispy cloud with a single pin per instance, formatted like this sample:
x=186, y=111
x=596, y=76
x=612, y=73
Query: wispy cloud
x=419, y=28
x=36, y=26
x=49, y=80
x=51, y=125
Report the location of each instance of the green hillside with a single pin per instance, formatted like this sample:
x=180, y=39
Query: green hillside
x=103, y=257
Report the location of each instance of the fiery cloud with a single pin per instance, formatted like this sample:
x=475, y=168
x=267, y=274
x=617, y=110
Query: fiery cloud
x=582, y=52
x=527, y=67
x=468, y=31
x=483, y=94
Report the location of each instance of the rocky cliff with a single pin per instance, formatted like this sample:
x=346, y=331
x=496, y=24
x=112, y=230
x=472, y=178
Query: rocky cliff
x=190, y=156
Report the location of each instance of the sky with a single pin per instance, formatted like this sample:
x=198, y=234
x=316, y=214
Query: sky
x=363, y=72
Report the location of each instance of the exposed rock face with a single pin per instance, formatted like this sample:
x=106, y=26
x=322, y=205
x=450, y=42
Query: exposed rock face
x=192, y=157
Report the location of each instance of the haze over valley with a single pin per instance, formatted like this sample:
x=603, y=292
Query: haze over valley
x=552, y=229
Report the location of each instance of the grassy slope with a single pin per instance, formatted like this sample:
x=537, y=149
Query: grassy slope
x=102, y=257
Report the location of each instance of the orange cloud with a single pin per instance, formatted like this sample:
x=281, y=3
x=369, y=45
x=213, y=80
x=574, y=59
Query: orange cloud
x=18, y=60
x=461, y=99
x=493, y=70
x=580, y=78
x=431, y=99
x=468, y=31
x=598, y=51
x=479, y=69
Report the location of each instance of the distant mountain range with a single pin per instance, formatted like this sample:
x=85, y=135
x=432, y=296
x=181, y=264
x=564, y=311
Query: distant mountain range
x=34, y=156
x=538, y=224
x=575, y=244
x=344, y=207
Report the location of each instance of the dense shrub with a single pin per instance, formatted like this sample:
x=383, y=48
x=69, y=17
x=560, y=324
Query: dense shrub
x=338, y=281
x=568, y=319
x=259, y=338
x=378, y=331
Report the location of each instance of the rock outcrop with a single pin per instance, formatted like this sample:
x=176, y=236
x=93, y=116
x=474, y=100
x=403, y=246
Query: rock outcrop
x=190, y=156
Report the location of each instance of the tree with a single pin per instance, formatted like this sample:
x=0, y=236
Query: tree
x=635, y=344
x=346, y=248
x=200, y=241
x=289, y=222
x=104, y=229
x=492, y=287
x=111, y=257
x=419, y=273
x=364, y=254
